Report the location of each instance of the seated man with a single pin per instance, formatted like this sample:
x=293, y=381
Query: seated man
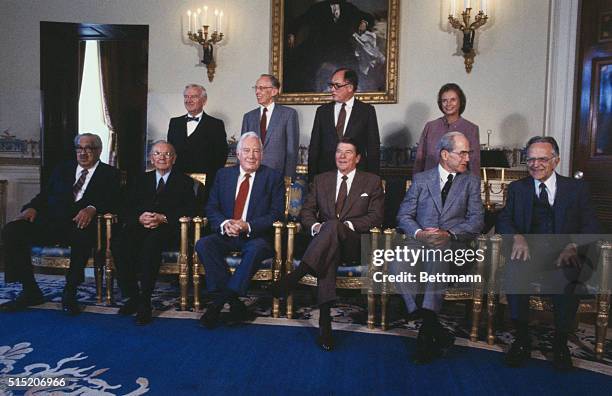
x=151, y=215
x=244, y=202
x=64, y=212
x=442, y=208
x=544, y=203
x=342, y=205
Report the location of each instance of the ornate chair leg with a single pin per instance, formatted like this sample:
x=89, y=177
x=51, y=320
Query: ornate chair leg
x=184, y=262
x=291, y=229
x=478, y=292
x=371, y=310
x=98, y=259
x=197, y=232
x=603, y=299
x=496, y=242
x=109, y=219
x=277, y=263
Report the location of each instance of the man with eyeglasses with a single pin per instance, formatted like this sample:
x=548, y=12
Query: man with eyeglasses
x=199, y=139
x=244, y=203
x=344, y=117
x=64, y=212
x=543, y=214
x=150, y=216
x=276, y=125
x=441, y=210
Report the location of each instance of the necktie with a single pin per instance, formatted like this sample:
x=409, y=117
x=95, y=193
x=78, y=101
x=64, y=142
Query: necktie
x=79, y=184
x=196, y=119
x=544, y=195
x=342, y=193
x=263, y=125
x=243, y=191
x=160, y=186
x=447, y=187
x=341, y=120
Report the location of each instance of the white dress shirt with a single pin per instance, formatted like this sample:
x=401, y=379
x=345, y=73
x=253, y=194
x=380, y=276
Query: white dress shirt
x=192, y=125
x=551, y=188
x=348, y=108
x=443, y=179
x=349, y=183
x=77, y=176
x=248, y=198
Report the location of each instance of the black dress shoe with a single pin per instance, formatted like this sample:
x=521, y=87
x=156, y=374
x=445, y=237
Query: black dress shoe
x=426, y=350
x=22, y=302
x=518, y=354
x=562, y=359
x=325, y=339
x=443, y=340
x=279, y=289
x=238, y=313
x=130, y=307
x=70, y=306
x=144, y=316
x=210, y=319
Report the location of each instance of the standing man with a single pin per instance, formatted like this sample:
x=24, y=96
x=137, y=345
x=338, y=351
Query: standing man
x=276, y=125
x=153, y=207
x=199, y=139
x=344, y=117
x=441, y=210
x=343, y=204
x=63, y=212
x=244, y=203
x=544, y=203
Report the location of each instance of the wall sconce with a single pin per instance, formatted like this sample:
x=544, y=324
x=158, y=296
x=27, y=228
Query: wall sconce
x=201, y=35
x=468, y=29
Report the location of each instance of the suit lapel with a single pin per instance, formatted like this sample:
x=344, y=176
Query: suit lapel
x=560, y=203
x=352, y=119
x=528, y=192
x=330, y=185
x=256, y=191
x=274, y=120
x=453, y=193
x=433, y=185
x=354, y=194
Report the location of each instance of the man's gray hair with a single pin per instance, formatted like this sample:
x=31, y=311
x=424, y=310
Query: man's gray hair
x=447, y=141
x=161, y=141
x=245, y=136
x=273, y=80
x=97, y=140
x=545, y=139
x=198, y=86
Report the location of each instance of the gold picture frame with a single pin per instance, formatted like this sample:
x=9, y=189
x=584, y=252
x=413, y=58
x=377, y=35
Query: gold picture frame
x=308, y=88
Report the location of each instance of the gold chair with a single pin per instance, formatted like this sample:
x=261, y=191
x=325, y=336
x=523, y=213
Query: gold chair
x=173, y=262
x=58, y=257
x=600, y=304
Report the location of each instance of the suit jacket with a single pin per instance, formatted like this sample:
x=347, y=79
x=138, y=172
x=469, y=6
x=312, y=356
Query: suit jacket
x=55, y=202
x=176, y=200
x=362, y=126
x=364, y=206
x=573, y=211
x=462, y=214
x=204, y=151
x=266, y=204
x=282, y=137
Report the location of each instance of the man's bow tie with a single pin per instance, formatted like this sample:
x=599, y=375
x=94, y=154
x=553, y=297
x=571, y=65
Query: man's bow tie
x=196, y=119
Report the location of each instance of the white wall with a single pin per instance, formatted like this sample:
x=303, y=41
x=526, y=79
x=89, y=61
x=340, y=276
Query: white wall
x=506, y=89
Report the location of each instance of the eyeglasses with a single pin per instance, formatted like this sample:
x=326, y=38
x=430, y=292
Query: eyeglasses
x=540, y=160
x=86, y=149
x=165, y=154
x=333, y=85
x=191, y=97
x=463, y=154
x=260, y=88
x=247, y=151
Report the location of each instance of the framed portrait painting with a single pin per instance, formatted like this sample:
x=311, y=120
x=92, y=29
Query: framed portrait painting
x=312, y=38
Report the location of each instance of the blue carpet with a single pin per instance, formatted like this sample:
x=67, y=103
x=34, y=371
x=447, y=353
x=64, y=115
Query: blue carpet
x=175, y=357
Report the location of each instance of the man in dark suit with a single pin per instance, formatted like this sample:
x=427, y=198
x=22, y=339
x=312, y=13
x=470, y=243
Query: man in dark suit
x=441, y=210
x=544, y=203
x=345, y=116
x=151, y=213
x=63, y=212
x=276, y=125
x=244, y=203
x=199, y=139
x=343, y=204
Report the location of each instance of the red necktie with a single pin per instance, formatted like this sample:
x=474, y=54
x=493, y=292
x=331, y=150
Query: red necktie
x=341, y=120
x=263, y=125
x=79, y=184
x=243, y=191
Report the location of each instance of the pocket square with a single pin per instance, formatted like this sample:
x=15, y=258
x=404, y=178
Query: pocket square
x=364, y=195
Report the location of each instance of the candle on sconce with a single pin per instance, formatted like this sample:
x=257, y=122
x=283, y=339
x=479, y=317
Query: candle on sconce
x=205, y=21
x=453, y=7
x=199, y=18
x=483, y=6
x=484, y=171
x=467, y=4
x=220, y=20
x=503, y=178
x=216, y=19
x=189, y=21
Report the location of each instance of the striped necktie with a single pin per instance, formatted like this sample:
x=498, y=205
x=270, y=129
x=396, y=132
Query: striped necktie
x=76, y=188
